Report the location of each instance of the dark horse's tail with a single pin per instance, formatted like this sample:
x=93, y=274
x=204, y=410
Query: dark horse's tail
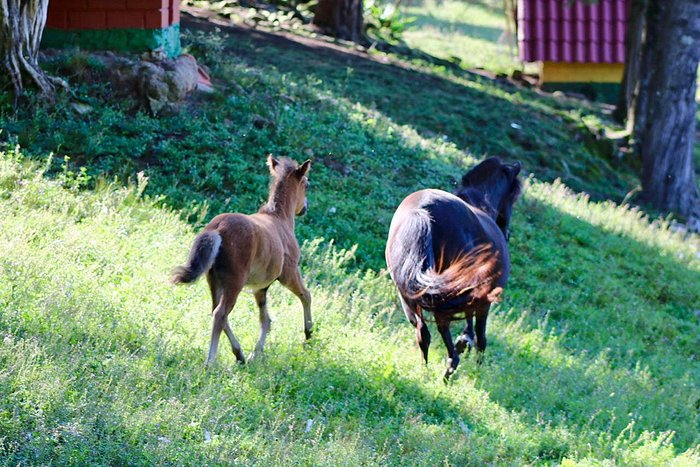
x=434, y=282
x=202, y=257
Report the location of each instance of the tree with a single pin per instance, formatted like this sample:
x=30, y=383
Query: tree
x=666, y=121
x=341, y=18
x=661, y=101
x=21, y=27
x=634, y=36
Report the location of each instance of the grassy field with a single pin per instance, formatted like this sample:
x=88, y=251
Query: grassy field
x=593, y=355
x=470, y=33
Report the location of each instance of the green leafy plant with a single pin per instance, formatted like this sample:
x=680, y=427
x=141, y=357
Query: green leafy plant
x=385, y=22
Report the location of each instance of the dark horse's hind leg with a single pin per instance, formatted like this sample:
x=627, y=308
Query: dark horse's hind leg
x=480, y=342
x=452, y=355
x=423, y=336
x=465, y=341
x=415, y=317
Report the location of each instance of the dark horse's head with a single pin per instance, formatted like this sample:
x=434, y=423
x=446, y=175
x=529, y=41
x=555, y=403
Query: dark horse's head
x=493, y=187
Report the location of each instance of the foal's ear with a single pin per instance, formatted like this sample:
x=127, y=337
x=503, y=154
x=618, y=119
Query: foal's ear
x=272, y=163
x=303, y=168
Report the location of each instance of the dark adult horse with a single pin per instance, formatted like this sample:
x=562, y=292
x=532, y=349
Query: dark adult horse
x=448, y=254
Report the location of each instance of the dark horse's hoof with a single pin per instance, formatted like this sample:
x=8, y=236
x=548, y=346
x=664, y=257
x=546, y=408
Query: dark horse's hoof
x=448, y=373
x=463, y=343
x=308, y=333
x=451, y=368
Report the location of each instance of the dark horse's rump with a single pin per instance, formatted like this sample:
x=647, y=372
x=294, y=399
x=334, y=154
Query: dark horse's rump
x=448, y=254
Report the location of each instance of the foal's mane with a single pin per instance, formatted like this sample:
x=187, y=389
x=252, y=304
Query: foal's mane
x=278, y=189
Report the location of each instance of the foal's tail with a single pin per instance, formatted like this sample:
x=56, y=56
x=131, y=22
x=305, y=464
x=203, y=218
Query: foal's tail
x=421, y=276
x=202, y=256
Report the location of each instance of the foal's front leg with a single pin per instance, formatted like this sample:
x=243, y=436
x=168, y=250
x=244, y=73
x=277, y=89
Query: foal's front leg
x=292, y=280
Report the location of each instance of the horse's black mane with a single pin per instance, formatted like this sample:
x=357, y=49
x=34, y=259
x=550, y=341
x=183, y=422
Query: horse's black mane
x=479, y=183
x=476, y=198
x=482, y=172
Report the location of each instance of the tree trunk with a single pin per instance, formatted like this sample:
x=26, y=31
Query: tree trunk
x=21, y=27
x=634, y=38
x=667, y=137
x=653, y=35
x=341, y=18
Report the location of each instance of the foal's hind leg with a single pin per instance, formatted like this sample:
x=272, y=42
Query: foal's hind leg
x=215, y=290
x=235, y=346
x=291, y=279
x=220, y=323
x=261, y=300
x=443, y=326
x=216, y=298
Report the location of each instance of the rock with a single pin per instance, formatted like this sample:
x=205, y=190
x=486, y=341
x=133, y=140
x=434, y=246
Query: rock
x=156, y=83
x=81, y=109
x=204, y=83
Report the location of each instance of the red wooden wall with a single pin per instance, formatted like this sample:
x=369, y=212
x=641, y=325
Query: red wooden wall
x=112, y=14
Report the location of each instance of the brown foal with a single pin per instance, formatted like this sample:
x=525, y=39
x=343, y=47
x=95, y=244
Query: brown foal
x=239, y=250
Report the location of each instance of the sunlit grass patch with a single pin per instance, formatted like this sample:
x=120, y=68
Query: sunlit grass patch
x=470, y=33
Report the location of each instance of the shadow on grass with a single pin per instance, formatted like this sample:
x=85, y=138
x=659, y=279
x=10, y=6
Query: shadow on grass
x=487, y=33
x=541, y=402
x=298, y=97
x=479, y=115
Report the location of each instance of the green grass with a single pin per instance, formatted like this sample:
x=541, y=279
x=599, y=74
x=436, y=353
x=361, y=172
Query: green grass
x=593, y=355
x=592, y=358
x=471, y=33
x=373, y=128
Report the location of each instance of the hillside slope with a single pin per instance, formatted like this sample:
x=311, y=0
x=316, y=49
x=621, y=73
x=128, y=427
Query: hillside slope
x=375, y=127
x=593, y=355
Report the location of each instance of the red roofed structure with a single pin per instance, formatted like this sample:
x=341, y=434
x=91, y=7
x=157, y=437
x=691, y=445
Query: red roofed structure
x=579, y=45
x=124, y=25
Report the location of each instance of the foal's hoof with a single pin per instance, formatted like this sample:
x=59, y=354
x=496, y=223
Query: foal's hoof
x=308, y=333
x=463, y=343
x=309, y=344
x=255, y=355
